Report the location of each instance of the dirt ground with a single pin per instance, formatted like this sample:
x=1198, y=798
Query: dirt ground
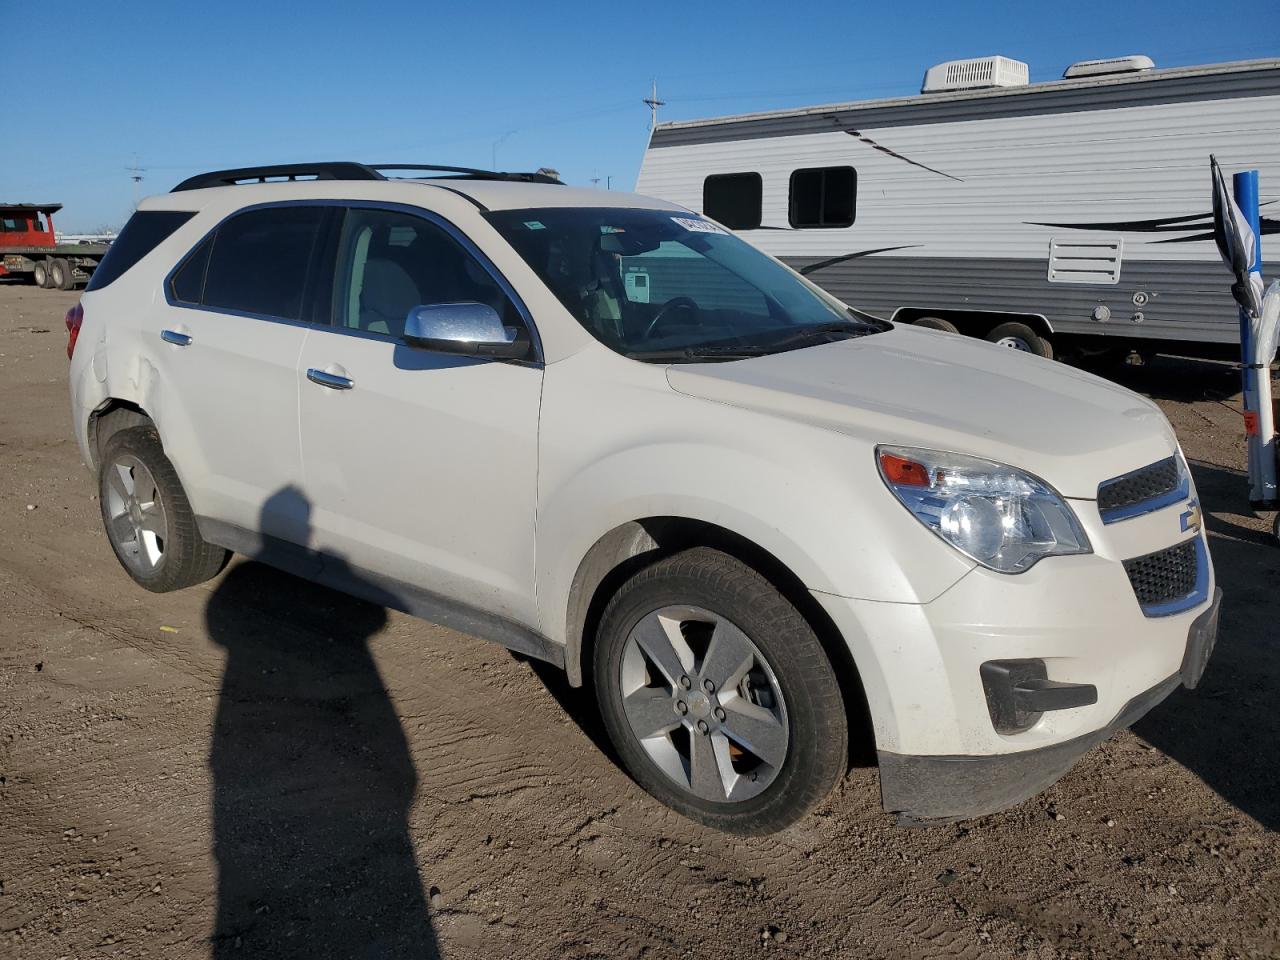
x=260, y=767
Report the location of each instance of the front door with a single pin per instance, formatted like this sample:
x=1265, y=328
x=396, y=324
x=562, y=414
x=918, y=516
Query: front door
x=420, y=466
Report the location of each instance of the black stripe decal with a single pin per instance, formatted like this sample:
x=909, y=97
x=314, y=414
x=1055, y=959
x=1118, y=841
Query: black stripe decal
x=883, y=149
x=822, y=264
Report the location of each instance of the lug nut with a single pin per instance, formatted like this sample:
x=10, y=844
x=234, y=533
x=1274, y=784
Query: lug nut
x=702, y=726
x=681, y=707
x=685, y=682
x=708, y=686
x=720, y=713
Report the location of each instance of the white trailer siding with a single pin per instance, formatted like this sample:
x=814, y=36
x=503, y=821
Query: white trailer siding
x=954, y=193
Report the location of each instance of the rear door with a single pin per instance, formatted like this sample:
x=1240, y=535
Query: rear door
x=421, y=466
x=227, y=345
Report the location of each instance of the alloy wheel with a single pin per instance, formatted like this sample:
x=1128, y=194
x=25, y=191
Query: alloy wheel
x=704, y=703
x=136, y=518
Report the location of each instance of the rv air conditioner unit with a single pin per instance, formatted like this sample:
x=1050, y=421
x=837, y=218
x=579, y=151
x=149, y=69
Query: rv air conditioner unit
x=1100, y=68
x=975, y=74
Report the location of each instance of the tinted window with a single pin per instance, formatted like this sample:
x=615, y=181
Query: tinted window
x=145, y=230
x=823, y=197
x=734, y=199
x=259, y=261
x=187, y=285
x=389, y=263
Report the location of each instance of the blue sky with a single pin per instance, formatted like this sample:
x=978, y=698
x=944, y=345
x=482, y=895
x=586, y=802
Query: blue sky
x=179, y=88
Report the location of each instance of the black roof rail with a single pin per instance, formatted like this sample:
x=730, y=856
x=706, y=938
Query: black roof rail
x=338, y=170
x=345, y=170
x=471, y=173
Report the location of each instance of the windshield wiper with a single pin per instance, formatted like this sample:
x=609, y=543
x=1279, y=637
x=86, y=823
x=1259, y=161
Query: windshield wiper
x=688, y=354
x=821, y=331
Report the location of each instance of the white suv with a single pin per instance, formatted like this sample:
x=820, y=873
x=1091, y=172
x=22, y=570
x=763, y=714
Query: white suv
x=602, y=431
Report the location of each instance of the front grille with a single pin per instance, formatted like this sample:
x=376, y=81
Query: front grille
x=1165, y=576
x=1160, y=479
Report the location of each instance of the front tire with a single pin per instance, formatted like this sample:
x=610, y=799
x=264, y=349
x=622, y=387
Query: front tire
x=148, y=519
x=718, y=695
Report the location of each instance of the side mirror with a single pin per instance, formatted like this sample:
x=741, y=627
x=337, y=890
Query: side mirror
x=468, y=329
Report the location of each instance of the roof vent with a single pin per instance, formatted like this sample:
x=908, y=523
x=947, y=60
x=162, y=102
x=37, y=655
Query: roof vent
x=1101, y=68
x=975, y=74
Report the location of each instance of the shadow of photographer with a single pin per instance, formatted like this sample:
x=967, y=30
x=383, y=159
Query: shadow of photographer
x=312, y=776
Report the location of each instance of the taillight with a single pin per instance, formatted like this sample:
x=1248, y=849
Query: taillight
x=75, y=317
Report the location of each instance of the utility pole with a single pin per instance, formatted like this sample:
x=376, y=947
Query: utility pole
x=653, y=104
x=135, y=174
x=493, y=155
x=595, y=182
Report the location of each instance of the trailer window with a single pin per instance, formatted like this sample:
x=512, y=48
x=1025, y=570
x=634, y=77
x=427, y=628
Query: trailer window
x=145, y=231
x=734, y=199
x=823, y=197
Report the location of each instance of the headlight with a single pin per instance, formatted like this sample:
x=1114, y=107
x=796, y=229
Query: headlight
x=998, y=515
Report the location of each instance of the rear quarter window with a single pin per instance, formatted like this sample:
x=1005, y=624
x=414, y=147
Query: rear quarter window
x=145, y=230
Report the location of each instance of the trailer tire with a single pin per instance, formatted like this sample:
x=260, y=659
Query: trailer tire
x=62, y=275
x=936, y=323
x=40, y=273
x=1020, y=337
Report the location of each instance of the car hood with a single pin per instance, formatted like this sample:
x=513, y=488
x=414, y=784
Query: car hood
x=940, y=391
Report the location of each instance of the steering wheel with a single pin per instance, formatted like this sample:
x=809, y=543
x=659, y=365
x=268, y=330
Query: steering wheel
x=672, y=305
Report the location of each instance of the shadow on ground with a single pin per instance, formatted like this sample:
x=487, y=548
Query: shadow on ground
x=312, y=778
x=1227, y=731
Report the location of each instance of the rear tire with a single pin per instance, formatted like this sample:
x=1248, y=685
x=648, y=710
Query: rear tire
x=1020, y=337
x=936, y=323
x=62, y=275
x=148, y=519
x=41, y=275
x=760, y=746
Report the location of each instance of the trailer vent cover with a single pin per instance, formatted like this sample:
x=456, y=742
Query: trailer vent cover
x=1101, y=68
x=1085, y=261
x=976, y=74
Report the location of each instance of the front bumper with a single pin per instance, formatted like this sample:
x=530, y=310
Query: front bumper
x=938, y=789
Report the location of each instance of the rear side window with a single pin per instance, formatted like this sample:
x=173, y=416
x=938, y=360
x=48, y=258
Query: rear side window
x=145, y=230
x=258, y=261
x=187, y=285
x=823, y=197
x=734, y=199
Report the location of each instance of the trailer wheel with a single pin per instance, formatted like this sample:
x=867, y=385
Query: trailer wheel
x=1020, y=337
x=936, y=323
x=41, y=275
x=64, y=278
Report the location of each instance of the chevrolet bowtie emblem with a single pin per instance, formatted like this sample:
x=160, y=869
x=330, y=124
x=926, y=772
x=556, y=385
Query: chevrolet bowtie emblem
x=1190, y=519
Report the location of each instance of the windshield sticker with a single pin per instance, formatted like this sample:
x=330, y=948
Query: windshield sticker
x=534, y=225
x=696, y=226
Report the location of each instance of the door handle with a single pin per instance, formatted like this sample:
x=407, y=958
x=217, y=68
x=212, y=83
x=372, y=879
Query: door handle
x=330, y=380
x=176, y=338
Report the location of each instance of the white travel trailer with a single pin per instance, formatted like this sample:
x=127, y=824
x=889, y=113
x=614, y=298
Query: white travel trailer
x=1068, y=215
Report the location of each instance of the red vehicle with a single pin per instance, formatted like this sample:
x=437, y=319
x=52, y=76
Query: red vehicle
x=29, y=246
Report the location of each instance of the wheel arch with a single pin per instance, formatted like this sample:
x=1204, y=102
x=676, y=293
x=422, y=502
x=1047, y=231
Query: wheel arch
x=109, y=418
x=636, y=544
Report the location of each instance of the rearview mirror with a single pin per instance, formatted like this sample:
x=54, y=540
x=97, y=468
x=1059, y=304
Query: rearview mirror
x=468, y=329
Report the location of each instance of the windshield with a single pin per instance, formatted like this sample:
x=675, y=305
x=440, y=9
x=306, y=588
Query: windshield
x=667, y=286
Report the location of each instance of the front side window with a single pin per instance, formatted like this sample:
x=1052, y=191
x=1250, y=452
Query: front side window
x=390, y=262
x=668, y=286
x=823, y=197
x=258, y=261
x=735, y=199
